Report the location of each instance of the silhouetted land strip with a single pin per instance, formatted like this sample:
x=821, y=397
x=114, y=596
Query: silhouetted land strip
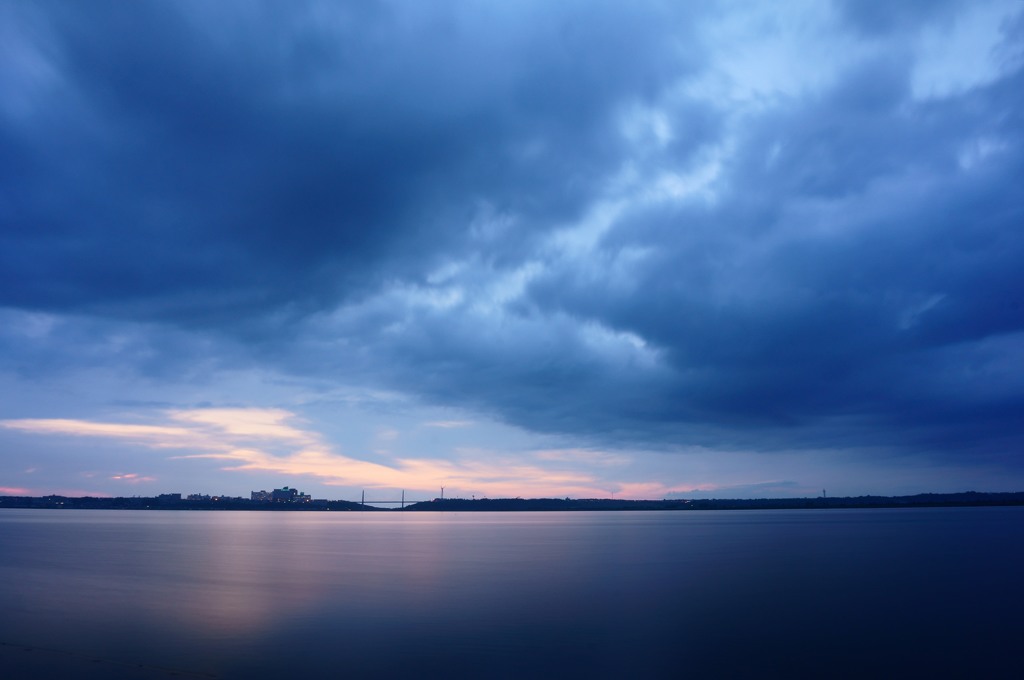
x=156, y=503
x=965, y=499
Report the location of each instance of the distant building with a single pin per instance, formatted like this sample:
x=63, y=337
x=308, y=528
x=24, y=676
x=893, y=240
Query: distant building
x=284, y=495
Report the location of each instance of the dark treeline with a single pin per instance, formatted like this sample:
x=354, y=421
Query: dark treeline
x=158, y=503
x=970, y=498
x=966, y=499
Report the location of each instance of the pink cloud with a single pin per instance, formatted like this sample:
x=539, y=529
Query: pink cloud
x=449, y=424
x=133, y=478
x=14, y=491
x=19, y=491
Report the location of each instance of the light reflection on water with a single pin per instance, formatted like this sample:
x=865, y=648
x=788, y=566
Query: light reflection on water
x=245, y=594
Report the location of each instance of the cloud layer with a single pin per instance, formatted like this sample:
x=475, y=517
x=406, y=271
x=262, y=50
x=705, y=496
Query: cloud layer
x=635, y=226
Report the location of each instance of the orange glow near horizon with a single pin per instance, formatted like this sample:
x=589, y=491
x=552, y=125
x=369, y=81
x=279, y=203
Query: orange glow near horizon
x=273, y=440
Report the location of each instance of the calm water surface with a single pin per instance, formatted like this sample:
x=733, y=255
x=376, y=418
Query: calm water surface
x=805, y=593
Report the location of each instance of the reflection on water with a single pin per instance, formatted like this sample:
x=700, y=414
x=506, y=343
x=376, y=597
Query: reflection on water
x=237, y=594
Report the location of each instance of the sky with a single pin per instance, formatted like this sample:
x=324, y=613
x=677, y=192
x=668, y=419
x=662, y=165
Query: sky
x=537, y=249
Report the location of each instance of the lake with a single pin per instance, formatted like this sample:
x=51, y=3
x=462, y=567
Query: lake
x=925, y=592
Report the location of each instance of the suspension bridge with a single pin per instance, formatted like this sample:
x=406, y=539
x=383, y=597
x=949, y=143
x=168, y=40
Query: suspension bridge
x=401, y=502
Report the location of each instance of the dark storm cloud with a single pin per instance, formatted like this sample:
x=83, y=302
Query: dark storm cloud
x=399, y=194
x=208, y=165
x=853, y=259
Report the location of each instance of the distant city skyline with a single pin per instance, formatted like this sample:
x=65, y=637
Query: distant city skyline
x=635, y=250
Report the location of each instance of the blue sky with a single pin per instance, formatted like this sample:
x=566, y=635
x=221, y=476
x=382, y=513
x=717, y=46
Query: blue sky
x=638, y=249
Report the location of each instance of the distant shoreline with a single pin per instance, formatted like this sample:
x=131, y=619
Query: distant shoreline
x=964, y=499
